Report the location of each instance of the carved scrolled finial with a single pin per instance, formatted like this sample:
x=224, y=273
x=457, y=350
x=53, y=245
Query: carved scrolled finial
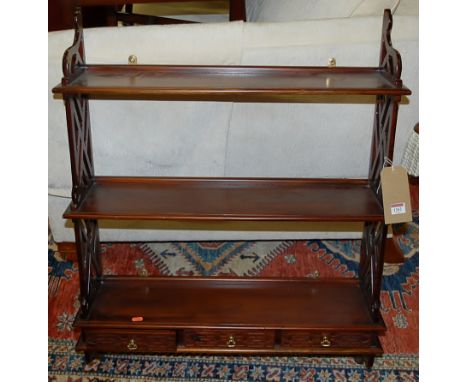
x=74, y=55
x=390, y=59
x=77, y=17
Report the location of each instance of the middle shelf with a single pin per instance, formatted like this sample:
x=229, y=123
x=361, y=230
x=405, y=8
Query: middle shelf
x=223, y=199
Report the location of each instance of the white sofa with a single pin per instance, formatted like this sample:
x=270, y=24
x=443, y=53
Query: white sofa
x=229, y=139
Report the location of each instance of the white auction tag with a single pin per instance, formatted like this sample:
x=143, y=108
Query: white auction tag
x=398, y=208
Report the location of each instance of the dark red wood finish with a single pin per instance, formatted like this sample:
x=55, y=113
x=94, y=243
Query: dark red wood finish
x=248, y=303
x=60, y=15
x=108, y=14
x=237, y=315
x=336, y=341
x=228, y=339
x=206, y=199
x=227, y=83
x=136, y=341
x=233, y=315
x=122, y=2
x=237, y=10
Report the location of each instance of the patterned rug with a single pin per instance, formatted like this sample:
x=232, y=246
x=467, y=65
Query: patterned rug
x=314, y=259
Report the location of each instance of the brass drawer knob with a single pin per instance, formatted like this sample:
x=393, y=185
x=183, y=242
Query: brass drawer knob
x=132, y=345
x=326, y=343
x=231, y=342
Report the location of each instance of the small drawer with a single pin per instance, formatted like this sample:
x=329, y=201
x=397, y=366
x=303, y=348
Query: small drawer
x=130, y=341
x=229, y=339
x=326, y=340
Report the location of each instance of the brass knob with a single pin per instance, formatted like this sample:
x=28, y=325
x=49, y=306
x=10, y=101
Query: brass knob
x=132, y=345
x=332, y=62
x=231, y=342
x=326, y=343
x=132, y=59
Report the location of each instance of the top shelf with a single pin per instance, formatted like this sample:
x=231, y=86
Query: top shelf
x=227, y=83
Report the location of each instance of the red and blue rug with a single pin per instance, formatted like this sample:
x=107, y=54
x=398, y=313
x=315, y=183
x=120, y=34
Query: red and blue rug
x=316, y=258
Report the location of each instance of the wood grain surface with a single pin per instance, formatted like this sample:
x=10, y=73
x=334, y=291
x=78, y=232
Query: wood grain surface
x=220, y=199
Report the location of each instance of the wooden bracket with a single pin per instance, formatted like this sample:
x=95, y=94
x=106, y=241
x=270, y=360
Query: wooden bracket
x=74, y=56
x=89, y=260
x=80, y=146
x=371, y=264
x=390, y=59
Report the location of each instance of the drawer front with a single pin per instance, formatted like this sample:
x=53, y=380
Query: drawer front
x=229, y=339
x=327, y=340
x=131, y=341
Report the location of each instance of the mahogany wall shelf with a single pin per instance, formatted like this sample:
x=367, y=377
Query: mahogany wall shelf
x=228, y=315
x=228, y=83
x=228, y=199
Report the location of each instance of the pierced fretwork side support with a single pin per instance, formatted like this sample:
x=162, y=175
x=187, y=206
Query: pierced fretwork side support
x=383, y=140
x=89, y=259
x=386, y=107
x=371, y=263
x=77, y=110
x=80, y=146
x=82, y=168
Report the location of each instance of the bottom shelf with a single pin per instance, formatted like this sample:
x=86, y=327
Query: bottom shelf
x=223, y=315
